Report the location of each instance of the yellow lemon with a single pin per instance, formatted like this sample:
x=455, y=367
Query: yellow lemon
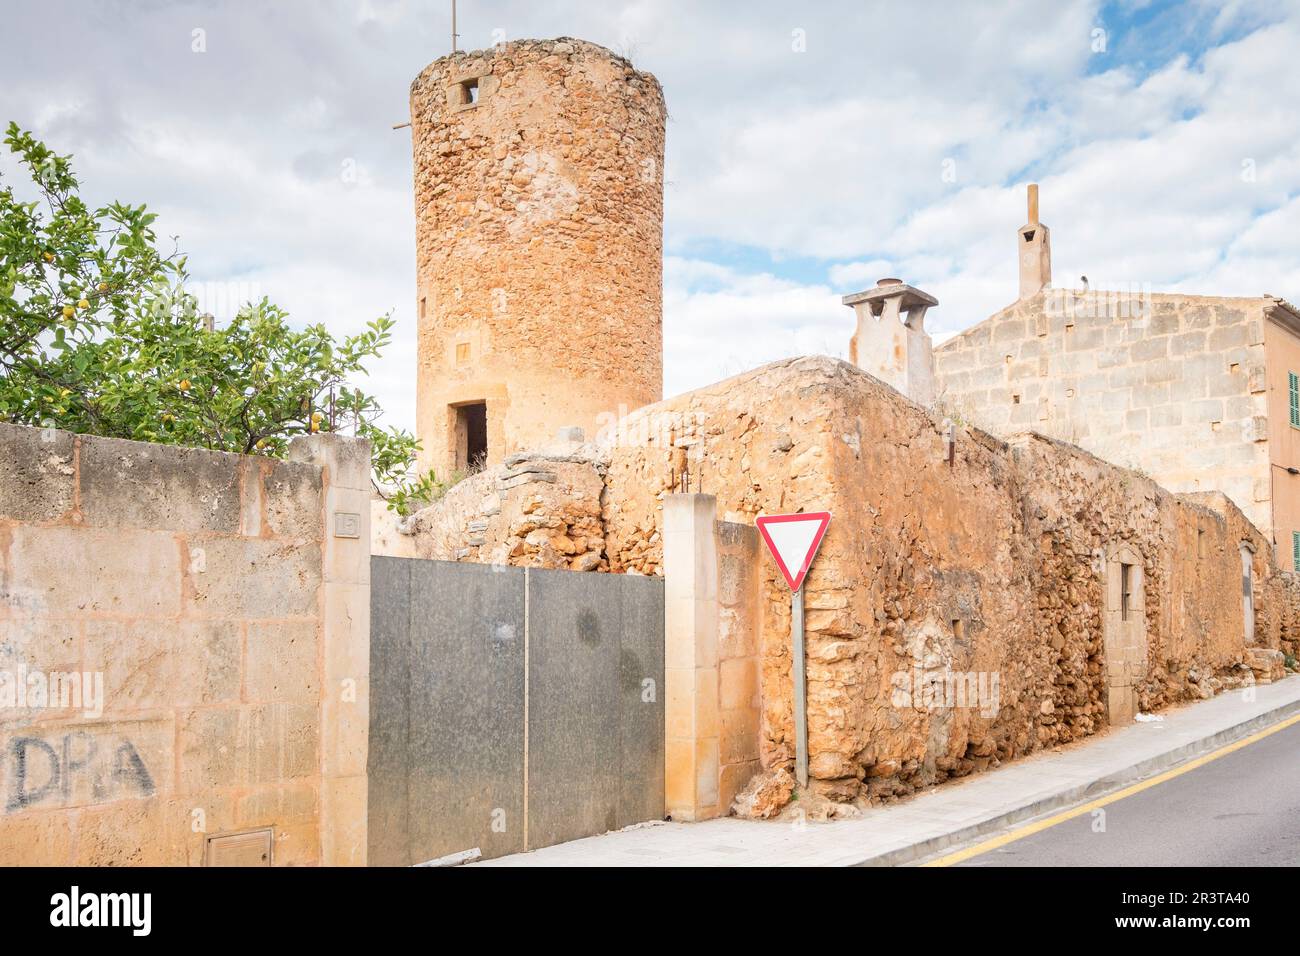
x=69, y=311
x=83, y=304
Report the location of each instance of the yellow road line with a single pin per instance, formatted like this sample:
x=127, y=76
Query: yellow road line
x=1039, y=826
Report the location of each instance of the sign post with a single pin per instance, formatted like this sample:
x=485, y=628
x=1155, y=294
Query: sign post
x=800, y=675
x=793, y=541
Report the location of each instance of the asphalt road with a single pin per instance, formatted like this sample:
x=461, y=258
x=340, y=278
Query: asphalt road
x=1242, y=809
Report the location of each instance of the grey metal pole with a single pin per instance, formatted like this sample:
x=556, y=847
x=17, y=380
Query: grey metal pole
x=453, y=26
x=800, y=688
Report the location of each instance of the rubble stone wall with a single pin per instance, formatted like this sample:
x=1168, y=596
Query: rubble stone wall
x=957, y=615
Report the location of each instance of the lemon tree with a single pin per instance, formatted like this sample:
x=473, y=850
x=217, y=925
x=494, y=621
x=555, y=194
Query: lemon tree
x=98, y=335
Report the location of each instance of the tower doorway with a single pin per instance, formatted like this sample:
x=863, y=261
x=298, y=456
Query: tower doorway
x=471, y=436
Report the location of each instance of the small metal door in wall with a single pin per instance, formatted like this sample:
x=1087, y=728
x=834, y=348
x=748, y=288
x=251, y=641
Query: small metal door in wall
x=251, y=848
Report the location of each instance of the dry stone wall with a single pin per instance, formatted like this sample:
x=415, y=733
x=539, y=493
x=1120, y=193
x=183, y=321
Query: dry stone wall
x=539, y=510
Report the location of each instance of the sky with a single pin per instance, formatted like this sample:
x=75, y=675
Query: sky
x=811, y=149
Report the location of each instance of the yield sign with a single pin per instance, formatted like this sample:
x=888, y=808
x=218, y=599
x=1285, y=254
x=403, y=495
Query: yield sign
x=793, y=541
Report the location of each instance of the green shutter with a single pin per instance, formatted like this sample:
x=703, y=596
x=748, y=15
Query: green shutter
x=1295, y=398
x=1295, y=550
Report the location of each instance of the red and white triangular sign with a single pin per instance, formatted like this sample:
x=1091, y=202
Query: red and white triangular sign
x=793, y=541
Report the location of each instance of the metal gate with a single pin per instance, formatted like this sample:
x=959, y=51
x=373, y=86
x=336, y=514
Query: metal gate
x=510, y=708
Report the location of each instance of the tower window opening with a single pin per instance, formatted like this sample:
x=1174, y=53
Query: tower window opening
x=465, y=93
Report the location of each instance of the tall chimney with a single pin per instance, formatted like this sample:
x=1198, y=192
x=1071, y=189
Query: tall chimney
x=1034, y=247
x=891, y=342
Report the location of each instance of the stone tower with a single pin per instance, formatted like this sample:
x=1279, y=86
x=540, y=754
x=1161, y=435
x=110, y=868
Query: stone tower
x=539, y=246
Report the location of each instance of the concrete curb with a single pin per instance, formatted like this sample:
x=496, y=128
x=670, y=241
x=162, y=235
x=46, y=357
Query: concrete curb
x=1081, y=793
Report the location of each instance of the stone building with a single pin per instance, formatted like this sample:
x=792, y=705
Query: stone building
x=1199, y=392
x=539, y=242
x=1039, y=568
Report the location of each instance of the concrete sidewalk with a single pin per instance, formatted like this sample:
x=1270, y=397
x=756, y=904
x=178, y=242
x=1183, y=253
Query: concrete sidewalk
x=944, y=816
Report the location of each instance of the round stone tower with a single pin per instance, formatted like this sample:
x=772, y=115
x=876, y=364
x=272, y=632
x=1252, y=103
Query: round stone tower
x=539, y=246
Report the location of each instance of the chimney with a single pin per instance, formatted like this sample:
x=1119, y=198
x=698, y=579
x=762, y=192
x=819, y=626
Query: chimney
x=1034, y=247
x=891, y=342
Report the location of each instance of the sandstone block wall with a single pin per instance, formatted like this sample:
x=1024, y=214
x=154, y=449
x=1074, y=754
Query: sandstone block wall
x=1172, y=385
x=739, y=555
x=191, y=583
x=539, y=239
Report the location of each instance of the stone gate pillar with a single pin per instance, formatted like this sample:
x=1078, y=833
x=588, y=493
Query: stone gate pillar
x=345, y=642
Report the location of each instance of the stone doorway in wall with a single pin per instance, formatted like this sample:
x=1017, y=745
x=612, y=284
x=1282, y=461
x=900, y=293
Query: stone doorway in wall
x=1125, y=631
x=471, y=436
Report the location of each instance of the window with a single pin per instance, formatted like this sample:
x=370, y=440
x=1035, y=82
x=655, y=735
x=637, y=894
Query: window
x=959, y=630
x=1295, y=399
x=1125, y=591
x=465, y=93
x=462, y=352
x=1295, y=550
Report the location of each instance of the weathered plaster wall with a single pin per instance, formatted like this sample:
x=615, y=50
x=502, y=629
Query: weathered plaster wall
x=1282, y=349
x=195, y=584
x=539, y=238
x=1173, y=385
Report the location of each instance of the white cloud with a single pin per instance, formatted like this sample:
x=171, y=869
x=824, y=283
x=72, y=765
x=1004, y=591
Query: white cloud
x=825, y=168
x=724, y=322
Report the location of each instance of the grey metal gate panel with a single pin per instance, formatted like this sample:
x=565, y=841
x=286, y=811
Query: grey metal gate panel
x=573, y=744
x=641, y=689
x=449, y=704
x=595, y=723
x=388, y=764
x=467, y=709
